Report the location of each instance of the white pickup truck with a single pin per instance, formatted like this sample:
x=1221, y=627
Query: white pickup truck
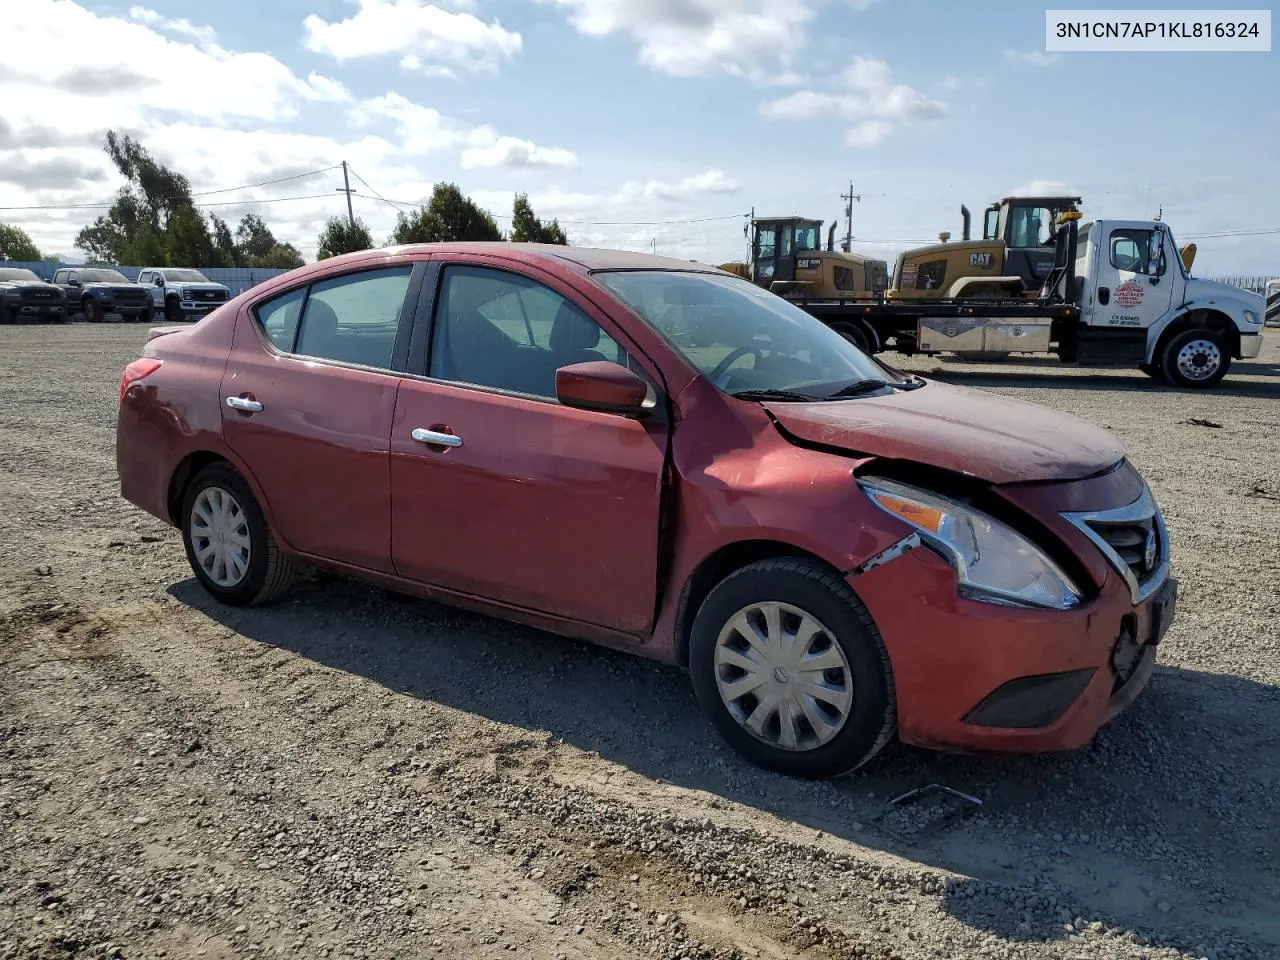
x=181, y=292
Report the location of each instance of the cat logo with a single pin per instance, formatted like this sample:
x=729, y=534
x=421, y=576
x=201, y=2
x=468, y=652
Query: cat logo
x=982, y=260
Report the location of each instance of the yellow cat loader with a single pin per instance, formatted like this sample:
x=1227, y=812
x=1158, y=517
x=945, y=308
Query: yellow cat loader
x=787, y=259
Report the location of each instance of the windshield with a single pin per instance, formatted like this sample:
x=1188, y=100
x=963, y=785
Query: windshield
x=16, y=273
x=742, y=337
x=185, y=276
x=101, y=276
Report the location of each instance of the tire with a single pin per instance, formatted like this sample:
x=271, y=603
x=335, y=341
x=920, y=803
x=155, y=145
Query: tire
x=173, y=311
x=795, y=587
x=854, y=334
x=6, y=315
x=268, y=571
x=1153, y=372
x=92, y=310
x=1186, y=356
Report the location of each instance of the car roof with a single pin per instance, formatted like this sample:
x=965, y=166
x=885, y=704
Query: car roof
x=589, y=258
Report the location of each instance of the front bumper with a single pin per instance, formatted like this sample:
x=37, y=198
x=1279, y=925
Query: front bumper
x=981, y=677
x=201, y=306
x=1250, y=345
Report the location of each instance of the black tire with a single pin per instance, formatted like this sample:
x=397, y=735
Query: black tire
x=270, y=572
x=1215, y=346
x=92, y=310
x=872, y=719
x=855, y=334
x=6, y=315
x=1151, y=371
x=173, y=310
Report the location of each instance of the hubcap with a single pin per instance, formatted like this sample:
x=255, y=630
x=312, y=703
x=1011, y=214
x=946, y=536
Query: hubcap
x=220, y=536
x=783, y=677
x=1199, y=359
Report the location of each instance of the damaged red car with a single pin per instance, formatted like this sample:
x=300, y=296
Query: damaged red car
x=658, y=456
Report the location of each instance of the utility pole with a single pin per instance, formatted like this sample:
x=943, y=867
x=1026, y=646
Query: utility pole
x=346, y=188
x=848, y=217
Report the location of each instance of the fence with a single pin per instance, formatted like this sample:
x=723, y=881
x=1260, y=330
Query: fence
x=236, y=279
x=1256, y=284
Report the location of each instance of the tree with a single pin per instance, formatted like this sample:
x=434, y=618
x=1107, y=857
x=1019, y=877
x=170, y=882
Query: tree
x=256, y=246
x=283, y=256
x=447, y=216
x=527, y=228
x=223, y=240
x=16, y=244
x=342, y=236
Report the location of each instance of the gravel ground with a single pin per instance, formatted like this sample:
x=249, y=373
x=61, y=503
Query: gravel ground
x=351, y=774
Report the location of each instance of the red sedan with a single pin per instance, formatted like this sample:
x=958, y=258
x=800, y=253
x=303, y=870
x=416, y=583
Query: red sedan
x=657, y=456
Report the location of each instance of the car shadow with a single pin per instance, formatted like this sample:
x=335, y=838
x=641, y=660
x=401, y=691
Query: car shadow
x=1102, y=827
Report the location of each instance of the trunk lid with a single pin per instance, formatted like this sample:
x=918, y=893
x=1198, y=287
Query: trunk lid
x=960, y=429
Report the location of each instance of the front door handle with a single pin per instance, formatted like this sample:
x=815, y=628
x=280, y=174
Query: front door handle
x=1104, y=296
x=423, y=435
x=241, y=403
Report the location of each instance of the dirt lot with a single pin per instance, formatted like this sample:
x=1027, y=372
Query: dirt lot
x=351, y=774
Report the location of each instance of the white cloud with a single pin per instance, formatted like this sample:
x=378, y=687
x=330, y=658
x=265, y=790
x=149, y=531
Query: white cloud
x=687, y=38
x=868, y=133
x=427, y=36
x=1042, y=188
x=699, y=184
x=1034, y=58
x=512, y=152
x=867, y=96
x=203, y=35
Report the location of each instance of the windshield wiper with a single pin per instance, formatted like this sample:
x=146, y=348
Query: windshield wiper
x=773, y=395
x=909, y=382
x=857, y=388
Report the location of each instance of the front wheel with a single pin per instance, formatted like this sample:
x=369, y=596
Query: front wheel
x=855, y=334
x=1195, y=358
x=92, y=310
x=173, y=311
x=230, y=548
x=791, y=670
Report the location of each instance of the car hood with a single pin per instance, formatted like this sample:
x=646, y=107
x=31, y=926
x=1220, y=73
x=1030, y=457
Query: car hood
x=198, y=285
x=28, y=284
x=959, y=429
x=1213, y=291
x=111, y=285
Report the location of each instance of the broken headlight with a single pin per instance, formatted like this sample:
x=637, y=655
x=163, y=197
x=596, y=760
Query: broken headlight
x=993, y=562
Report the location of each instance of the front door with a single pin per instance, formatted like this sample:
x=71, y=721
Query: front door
x=312, y=393
x=1134, y=285
x=500, y=492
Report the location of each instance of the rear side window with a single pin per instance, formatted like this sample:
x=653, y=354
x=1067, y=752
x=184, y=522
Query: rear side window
x=279, y=318
x=354, y=318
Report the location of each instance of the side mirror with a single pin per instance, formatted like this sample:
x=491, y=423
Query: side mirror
x=159, y=281
x=73, y=282
x=603, y=385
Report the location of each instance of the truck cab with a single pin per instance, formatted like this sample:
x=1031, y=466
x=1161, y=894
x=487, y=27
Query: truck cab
x=1140, y=304
x=788, y=258
x=182, y=292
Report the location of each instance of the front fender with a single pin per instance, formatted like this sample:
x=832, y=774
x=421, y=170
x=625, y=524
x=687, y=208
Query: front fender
x=1233, y=308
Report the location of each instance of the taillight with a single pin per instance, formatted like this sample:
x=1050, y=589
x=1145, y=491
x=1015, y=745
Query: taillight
x=135, y=371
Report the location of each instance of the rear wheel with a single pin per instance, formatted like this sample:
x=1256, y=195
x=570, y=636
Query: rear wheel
x=791, y=670
x=1195, y=358
x=855, y=334
x=229, y=545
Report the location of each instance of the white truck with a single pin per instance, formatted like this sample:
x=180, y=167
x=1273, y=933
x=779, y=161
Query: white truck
x=1115, y=292
x=181, y=292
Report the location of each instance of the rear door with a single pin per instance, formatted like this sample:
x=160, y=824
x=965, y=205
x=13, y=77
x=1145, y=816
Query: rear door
x=525, y=502
x=1133, y=287
x=307, y=400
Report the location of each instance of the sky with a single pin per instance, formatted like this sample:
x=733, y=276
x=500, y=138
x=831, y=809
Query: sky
x=641, y=124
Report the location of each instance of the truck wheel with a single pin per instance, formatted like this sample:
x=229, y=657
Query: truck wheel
x=6, y=316
x=1153, y=372
x=92, y=310
x=1195, y=358
x=791, y=670
x=173, y=311
x=854, y=334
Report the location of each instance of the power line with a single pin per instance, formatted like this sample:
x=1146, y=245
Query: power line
x=376, y=193
x=219, y=203
x=263, y=183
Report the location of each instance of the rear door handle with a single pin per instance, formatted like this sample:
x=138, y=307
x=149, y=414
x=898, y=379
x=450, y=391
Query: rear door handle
x=423, y=435
x=240, y=403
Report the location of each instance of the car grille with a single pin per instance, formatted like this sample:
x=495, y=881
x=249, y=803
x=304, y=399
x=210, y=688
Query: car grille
x=39, y=294
x=131, y=297
x=1133, y=539
x=213, y=295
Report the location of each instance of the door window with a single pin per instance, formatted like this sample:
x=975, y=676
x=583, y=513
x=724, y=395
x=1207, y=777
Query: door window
x=1131, y=251
x=354, y=318
x=786, y=241
x=144, y=276
x=768, y=246
x=494, y=328
x=1031, y=227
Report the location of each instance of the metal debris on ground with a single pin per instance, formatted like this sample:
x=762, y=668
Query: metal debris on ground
x=924, y=811
x=1198, y=422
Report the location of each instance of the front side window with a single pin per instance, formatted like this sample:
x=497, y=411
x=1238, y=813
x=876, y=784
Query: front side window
x=354, y=318
x=494, y=328
x=1131, y=250
x=806, y=238
x=144, y=276
x=740, y=336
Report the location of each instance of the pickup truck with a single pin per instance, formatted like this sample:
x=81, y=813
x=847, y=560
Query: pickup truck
x=95, y=292
x=24, y=296
x=181, y=292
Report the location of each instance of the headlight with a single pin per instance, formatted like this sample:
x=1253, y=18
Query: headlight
x=993, y=562
x=1251, y=318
